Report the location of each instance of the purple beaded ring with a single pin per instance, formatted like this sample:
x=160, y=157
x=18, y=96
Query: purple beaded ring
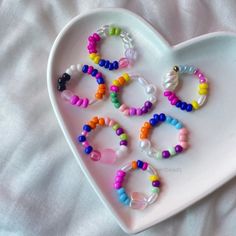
x=150, y=90
x=145, y=144
x=137, y=200
x=108, y=155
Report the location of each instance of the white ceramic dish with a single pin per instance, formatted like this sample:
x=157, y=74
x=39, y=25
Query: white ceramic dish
x=210, y=161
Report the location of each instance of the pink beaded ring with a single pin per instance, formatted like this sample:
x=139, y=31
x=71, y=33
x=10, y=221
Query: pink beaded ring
x=107, y=155
x=103, y=32
x=152, y=152
x=137, y=200
x=171, y=81
x=73, y=99
x=123, y=80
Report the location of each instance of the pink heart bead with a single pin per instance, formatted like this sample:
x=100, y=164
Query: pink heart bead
x=123, y=62
x=95, y=155
x=108, y=156
x=138, y=201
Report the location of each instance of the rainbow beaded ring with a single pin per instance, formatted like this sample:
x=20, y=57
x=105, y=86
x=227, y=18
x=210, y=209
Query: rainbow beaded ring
x=103, y=32
x=145, y=144
x=75, y=100
x=150, y=90
x=137, y=200
x=171, y=81
x=108, y=155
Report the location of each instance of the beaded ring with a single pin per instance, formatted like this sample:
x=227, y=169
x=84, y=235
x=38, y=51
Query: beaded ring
x=103, y=32
x=171, y=81
x=145, y=144
x=75, y=100
x=137, y=200
x=108, y=155
x=150, y=90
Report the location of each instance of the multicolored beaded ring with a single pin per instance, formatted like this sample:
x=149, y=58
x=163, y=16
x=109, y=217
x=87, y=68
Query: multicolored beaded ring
x=171, y=82
x=145, y=144
x=103, y=32
x=137, y=200
x=150, y=90
x=73, y=99
x=107, y=155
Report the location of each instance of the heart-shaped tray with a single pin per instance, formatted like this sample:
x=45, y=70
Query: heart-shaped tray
x=186, y=178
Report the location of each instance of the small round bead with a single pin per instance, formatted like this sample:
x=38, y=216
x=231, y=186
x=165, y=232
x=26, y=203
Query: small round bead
x=74, y=99
x=119, y=131
x=189, y=107
x=111, y=66
x=85, y=68
x=61, y=87
x=124, y=142
x=153, y=121
x=115, y=65
x=88, y=149
x=178, y=104
x=120, y=191
x=167, y=93
x=145, y=166
x=100, y=80
x=123, y=136
x=123, y=197
x=132, y=111
x=66, y=76
x=144, y=110
x=81, y=138
x=94, y=72
x=140, y=164
x=155, y=190
x=162, y=117
x=148, y=104
x=183, y=106
x=156, y=183
x=117, y=185
x=178, y=148
x=179, y=125
x=102, y=62
x=119, y=179
x=107, y=63
x=120, y=173
x=87, y=128
x=165, y=154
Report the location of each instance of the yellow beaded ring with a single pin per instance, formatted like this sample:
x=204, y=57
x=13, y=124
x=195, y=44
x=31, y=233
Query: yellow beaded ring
x=171, y=81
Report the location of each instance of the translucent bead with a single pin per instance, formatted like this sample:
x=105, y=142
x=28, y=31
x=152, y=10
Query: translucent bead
x=123, y=62
x=131, y=54
x=108, y=156
x=152, y=198
x=95, y=155
x=138, y=201
x=66, y=95
x=144, y=144
x=152, y=152
x=202, y=100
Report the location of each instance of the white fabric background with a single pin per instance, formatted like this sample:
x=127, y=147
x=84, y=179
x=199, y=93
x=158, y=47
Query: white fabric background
x=42, y=190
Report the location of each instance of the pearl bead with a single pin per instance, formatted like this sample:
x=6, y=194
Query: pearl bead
x=69, y=71
x=79, y=67
x=171, y=81
x=152, y=99
x=150, y=89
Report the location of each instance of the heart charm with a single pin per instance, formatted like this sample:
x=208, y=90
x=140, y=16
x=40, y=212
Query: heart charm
x=209, y=162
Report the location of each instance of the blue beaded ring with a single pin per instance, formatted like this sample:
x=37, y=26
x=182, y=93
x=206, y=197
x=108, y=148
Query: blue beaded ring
x=145, y=144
